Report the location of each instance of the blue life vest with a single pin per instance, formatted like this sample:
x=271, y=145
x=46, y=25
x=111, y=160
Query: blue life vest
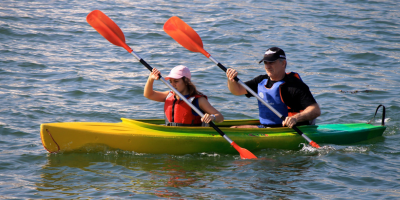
x=273, y=97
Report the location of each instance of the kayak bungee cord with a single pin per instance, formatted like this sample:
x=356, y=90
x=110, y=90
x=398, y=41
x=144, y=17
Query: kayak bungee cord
x=111, y=31
x=188, y=38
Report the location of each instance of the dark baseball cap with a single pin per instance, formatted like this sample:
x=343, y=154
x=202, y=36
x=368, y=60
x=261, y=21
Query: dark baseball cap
x=272, y=54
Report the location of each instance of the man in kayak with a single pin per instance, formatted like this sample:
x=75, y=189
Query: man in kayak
x=285, y=92
x=177, y=112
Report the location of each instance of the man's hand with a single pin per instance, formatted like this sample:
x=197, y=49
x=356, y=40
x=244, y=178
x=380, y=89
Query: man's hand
x=231, y=74
x=289, y=122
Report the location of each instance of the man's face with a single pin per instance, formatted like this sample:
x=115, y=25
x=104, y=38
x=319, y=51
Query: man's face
x=275, y=68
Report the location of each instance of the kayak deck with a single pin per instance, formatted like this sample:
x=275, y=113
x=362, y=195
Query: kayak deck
x=150, y=136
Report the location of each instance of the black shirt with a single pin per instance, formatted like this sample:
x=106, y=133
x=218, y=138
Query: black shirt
x=295, y=93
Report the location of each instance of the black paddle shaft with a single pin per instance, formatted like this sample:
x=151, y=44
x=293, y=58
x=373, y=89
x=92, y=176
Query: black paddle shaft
x=224, y=68
x=217, y=129
x=146, y=65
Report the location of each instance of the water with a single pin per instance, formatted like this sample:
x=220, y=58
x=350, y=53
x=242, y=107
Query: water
x=54, y=67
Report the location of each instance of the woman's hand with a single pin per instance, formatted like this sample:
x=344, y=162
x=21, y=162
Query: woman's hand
x=207, y=118
x=155, y=74
x=148, y=91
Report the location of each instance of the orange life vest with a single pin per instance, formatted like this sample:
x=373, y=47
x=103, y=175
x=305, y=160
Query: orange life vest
x=179, y=113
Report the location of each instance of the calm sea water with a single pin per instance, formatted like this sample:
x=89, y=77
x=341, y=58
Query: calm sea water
x=54, y=67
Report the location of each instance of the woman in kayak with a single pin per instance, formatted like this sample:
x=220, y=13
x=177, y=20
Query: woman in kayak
x=177, y=112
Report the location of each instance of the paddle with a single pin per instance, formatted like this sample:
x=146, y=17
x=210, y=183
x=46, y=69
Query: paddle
x=110, y=30
x=188, y=38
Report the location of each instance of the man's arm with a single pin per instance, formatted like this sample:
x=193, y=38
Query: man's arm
x=311, y=112
x=234, y=86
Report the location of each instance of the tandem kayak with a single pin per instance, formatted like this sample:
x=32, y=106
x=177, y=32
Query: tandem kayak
x=151, y=136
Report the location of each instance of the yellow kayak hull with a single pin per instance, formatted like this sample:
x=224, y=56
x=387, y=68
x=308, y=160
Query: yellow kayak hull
x=148, y=136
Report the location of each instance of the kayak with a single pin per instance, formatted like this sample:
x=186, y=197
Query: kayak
x=151, y=136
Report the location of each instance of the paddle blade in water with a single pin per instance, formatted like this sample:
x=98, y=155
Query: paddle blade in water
x=244, y=153
x=184, y=35
x=107, y=28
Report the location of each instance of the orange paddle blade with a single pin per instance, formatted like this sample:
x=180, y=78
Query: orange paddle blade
x=244, y=153
x=184, y=35
x=107, y=28
x=312, y=143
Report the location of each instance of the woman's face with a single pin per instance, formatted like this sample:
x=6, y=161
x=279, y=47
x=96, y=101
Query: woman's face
x=179, y=85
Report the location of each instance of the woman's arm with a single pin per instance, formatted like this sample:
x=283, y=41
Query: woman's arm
x=209, y=111
x=148, y=88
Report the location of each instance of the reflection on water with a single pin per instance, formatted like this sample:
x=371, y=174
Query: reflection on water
x=124, y=171
x=124, y=174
